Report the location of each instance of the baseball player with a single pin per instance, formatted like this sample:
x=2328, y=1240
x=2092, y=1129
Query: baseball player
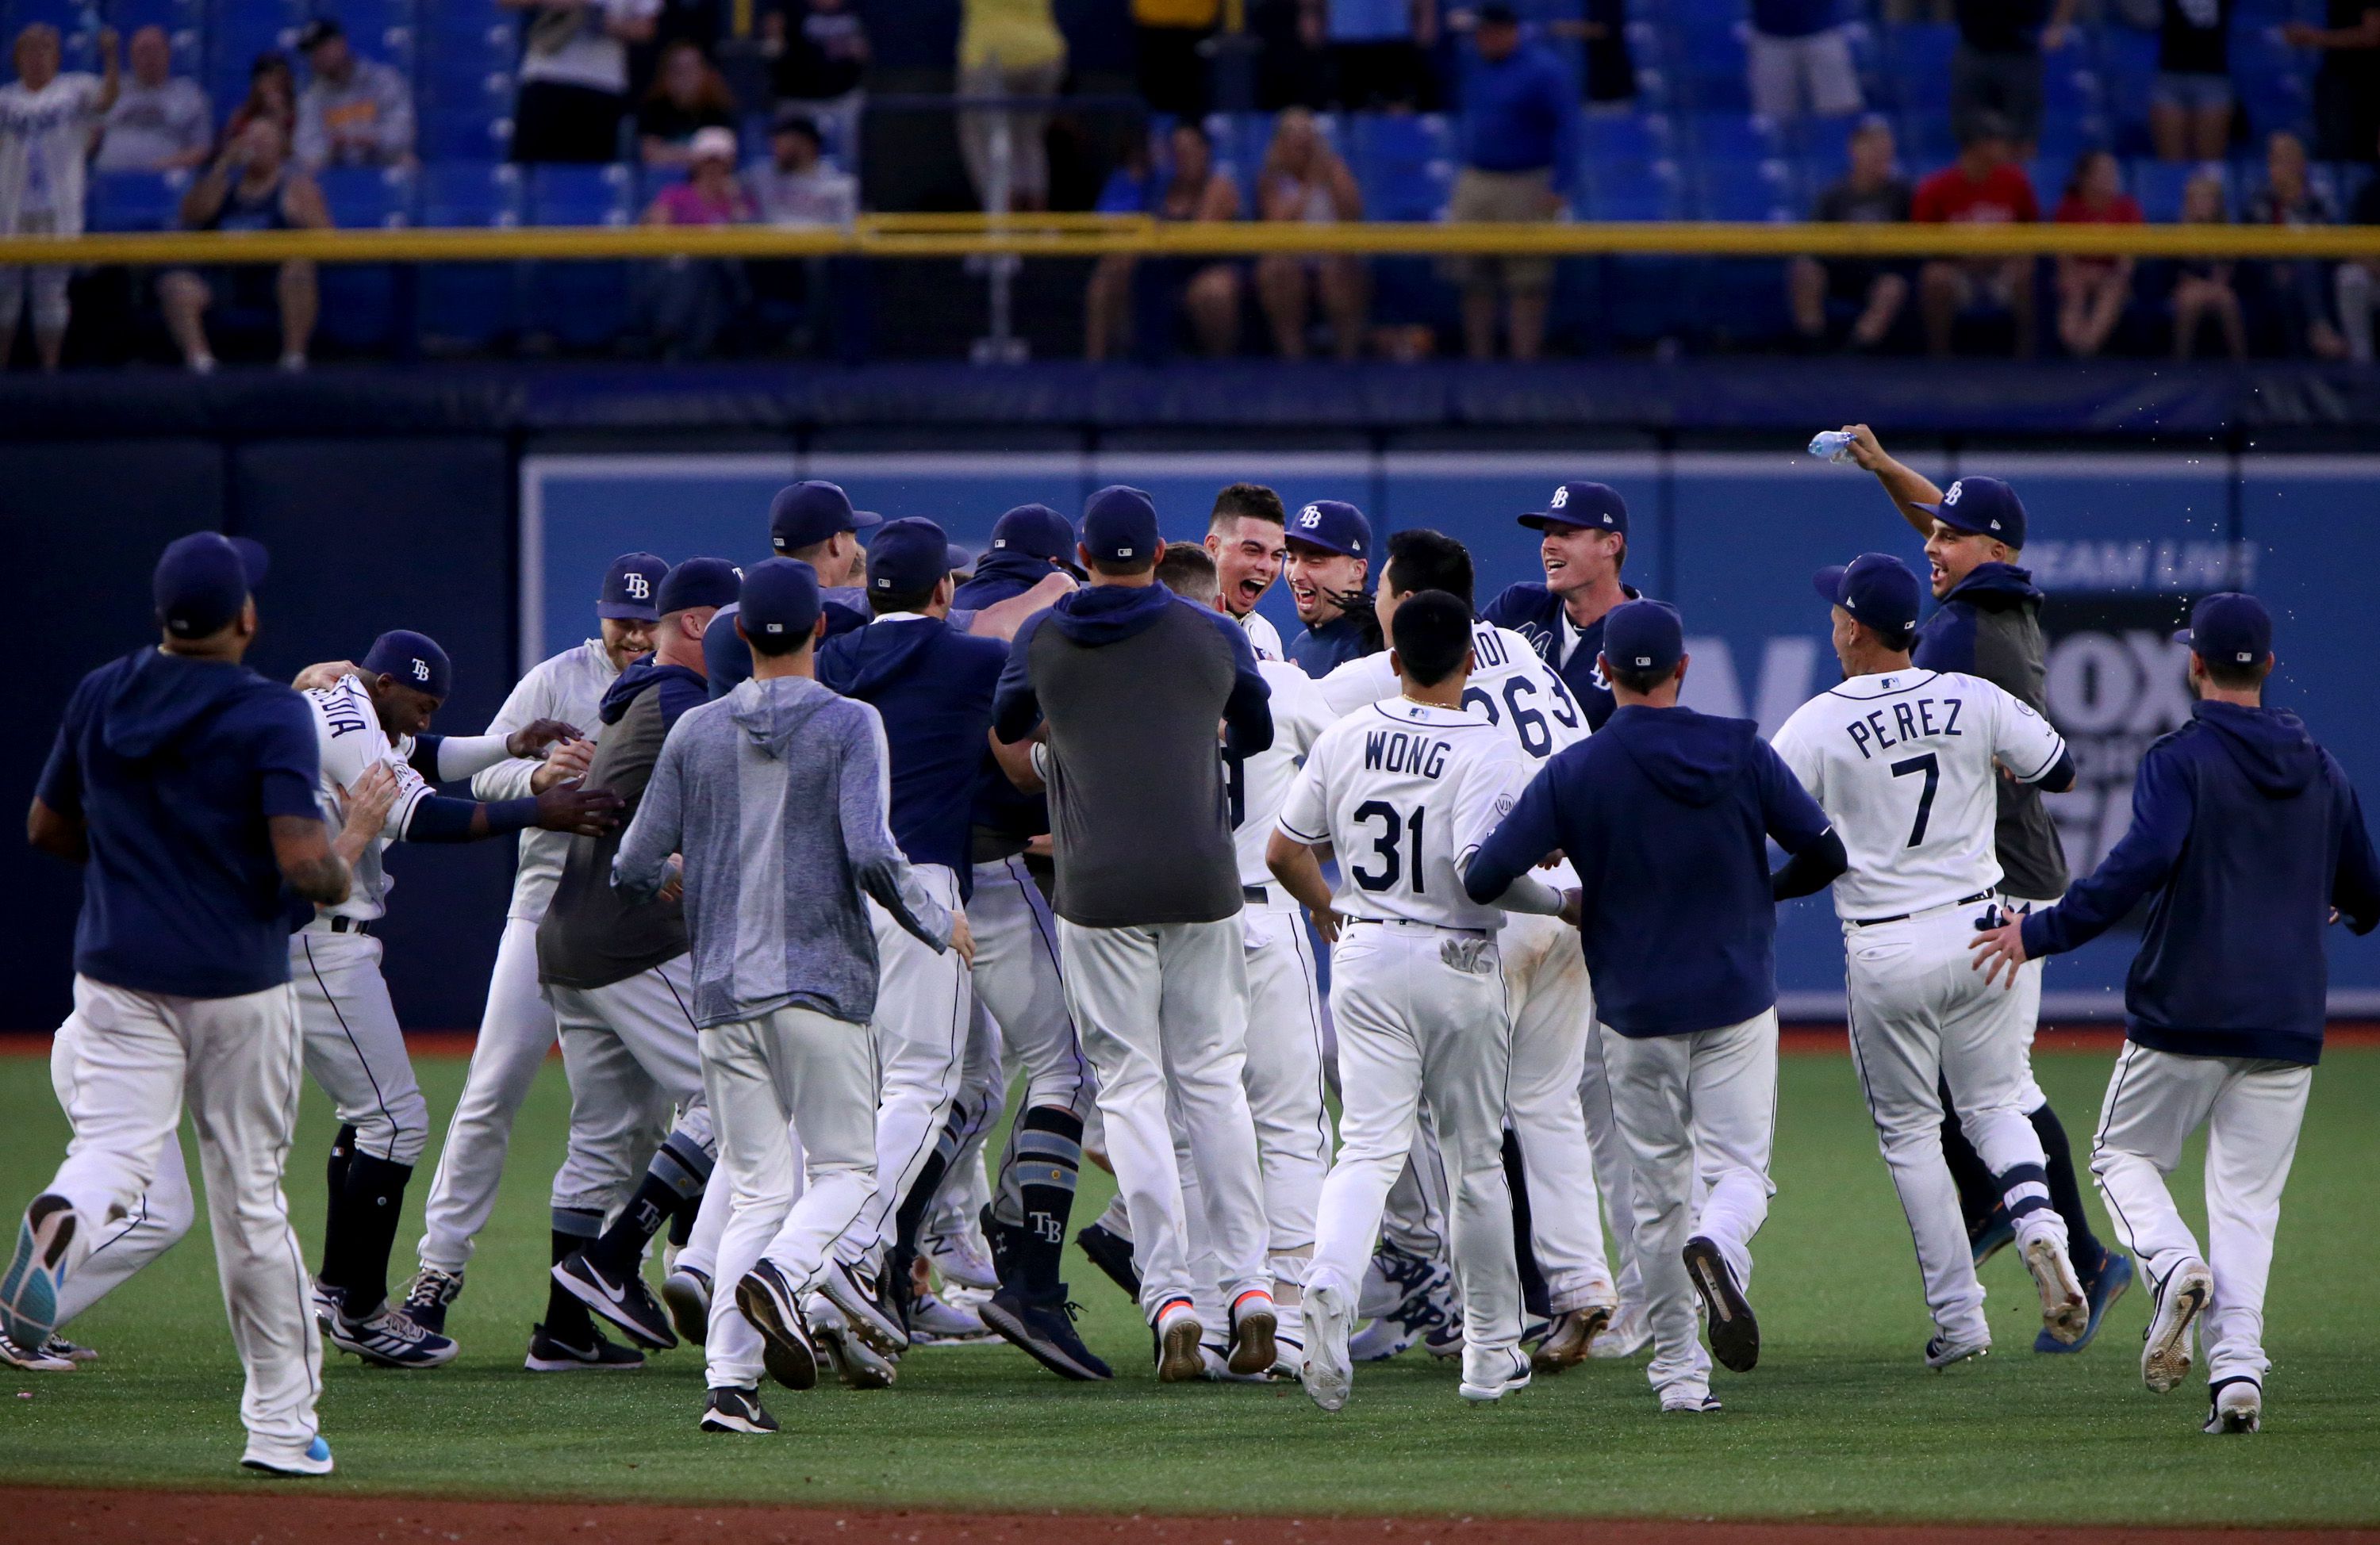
x=2246, y=839
x=1989, y=625
x=1585, y=546
x=353, y=1048
x=1244, y=539
x=1127, y=681
x=183, y=785
x=517, y=1028
x=1329, y=556
x=617, y=975
x=1904, y=762
x=782, y=779
x=1551, y=1002
x=1666, y=813
x=1405, y=792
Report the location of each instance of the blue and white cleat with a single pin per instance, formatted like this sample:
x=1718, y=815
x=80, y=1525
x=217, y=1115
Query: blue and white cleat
x=316, y=1460
x=2109, y=1284
x=29, y=1290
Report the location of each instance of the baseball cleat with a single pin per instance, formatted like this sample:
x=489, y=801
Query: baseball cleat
x=1943, y=1351
x=29, y=1290
x=2234, y=1405
x=2164, y=1345
x=1690, y=1403
x=1254, y=1322
x=735, y=1409
x=316, y=1460
x=2106, y=1285
x=549, y=1353
x=770, y=1303
x=687, y=1291
x=935, y=1321
x=855, y=1363
x=2065, y=1310
x=1424, y=1307
x=1328, y=1373
x=1176, y=1334
x=1994, y=1234
x=962, y=1258
x=388, y=1339
x=1111, y=1253
x=626, y=1302
x=1496, y=1375
x=1628, y=1334
x=1043, y=1329
x=1734, y=1333
x=861, y=1298
x=1566, y=1340
x=428, y=1295
x=39, y=1360
x=59, y=1347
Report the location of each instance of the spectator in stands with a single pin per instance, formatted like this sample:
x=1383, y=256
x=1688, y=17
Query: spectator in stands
x=1984, y=187
x=2190, y=107
x=2347, y=87
x=2299, y=289
x=688, y=96
x=160, y=122
x=1192, y=189
x=819, y=50
x=1009, y=48
x=253, y=186
x=797, y=188
x=1376, y=51
x=1166, y=38
x=1520, y=159
x=46, y=120
x=689, y=299
x=573, y=77
x=2092, y=291
x=2202, y=286
x=1601, y=28
x=272, y=93
x=1303, y=180
x=353, y=111
x=2358, y=277
x=1997, y=70
x=1870, y=193
x=1799, y=60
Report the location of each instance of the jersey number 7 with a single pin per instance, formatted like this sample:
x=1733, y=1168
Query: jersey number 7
x=1933, y=771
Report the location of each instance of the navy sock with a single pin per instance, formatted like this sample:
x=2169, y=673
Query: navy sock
x=335, y=1228
x=566, y=1319
x=1534, y=1295
x=373, y=1203
x=674, y=1179
x=2066, y=1194
x=1045, y=1165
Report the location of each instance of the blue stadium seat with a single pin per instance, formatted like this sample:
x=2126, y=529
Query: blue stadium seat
x=1404, y=162
x=470, y=305
x=359, y=300
x=2127, y=61
x=464, y=112
x=1736, y=137
x=1818, y=149
x=581, y=305
x=1626, y=135
x=2272, y=81
x=2158, y=186
x=1918, y=58
x=364, y=198
x=1634, y=190
x=135, y=201
x=1740, y=189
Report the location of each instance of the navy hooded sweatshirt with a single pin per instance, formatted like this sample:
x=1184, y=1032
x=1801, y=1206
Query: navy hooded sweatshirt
x=1000, y=575
x=932, y=687
x=174, y=765
x=1535, y=613
x=1666, y=813
x=2245, y=833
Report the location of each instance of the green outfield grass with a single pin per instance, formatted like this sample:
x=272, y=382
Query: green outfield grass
x=1841, y=1421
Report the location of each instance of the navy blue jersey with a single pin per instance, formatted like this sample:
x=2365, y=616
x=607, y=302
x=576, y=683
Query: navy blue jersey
x=1535, y=613
x=1320, y=651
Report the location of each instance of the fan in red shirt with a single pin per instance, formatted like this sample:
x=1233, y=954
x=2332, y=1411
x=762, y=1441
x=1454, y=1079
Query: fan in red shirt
x=2093, y=290
x=1984, y=187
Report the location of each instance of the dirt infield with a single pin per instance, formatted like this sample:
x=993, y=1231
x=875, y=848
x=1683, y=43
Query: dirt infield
x=38, y=1516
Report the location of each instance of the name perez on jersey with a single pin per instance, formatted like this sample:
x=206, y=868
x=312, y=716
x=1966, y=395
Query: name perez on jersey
x=1913, y=721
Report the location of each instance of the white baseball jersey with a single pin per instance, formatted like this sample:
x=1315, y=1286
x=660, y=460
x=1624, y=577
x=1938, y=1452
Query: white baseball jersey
x=1263, y=637
x=1902, y=764
x=1257, y=786
x=347, y=728
x=1405, y=792
x=569, y=687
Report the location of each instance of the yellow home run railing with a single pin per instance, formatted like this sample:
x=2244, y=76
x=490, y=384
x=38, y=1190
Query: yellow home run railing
x=1090, y=235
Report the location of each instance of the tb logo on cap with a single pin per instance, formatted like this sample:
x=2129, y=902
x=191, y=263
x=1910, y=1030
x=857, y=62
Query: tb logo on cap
x=421, y=666
x=1952, y=497
x=1310, y=517
x=1560, y=498
x=640, y=587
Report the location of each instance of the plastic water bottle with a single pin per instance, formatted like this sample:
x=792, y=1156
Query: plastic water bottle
x=1831, y=445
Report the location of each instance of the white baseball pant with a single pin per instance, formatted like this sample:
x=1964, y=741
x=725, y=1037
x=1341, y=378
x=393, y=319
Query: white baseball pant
x=1163, y=1010
x=2252, y=1111
x=1017, y=978
x=1552, y=1007
x=2027, y=993
x=157, y=1220
x=965, y=1190
x=630, y=1049
x=1287, y=1094
x=1699, y=1108
x=1421, y=1013
x=793, y=1070
x=1613, y=1179
x=1921, y=1016
x=138, y=1057
x=355, y=1048
x=517, y=1031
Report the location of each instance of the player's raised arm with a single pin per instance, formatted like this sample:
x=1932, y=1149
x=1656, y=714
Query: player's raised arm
x=1909, y=488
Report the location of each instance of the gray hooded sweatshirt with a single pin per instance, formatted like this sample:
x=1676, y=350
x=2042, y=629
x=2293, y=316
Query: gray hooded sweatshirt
x=777, y=795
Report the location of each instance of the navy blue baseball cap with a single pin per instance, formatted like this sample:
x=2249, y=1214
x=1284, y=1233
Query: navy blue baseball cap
x=629, y=586
x=908, y=557
x=1582, y=507
x=1036, y=531
x=1876, y=588
x=414, y=658
x=202, y=580
x=1982, y=505
x=1644, y=636
x=1120, y=523
x=2229, y=628
x=780, y=598
x=803, y=514
x=1333, y=526
x=700, y=582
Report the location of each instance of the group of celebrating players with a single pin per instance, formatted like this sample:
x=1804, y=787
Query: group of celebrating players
x=818, y=856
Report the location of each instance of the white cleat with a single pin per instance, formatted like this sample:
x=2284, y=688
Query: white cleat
x=2065, y=1308
x=1178, y=1356
x=858, y=1365
x=1690, y=1403
x=1948, y=1351
x=1329, y=1372
x=2165, y=1346
x=1491, y=1376
x=1627, y=1335
x=2237, y=1407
